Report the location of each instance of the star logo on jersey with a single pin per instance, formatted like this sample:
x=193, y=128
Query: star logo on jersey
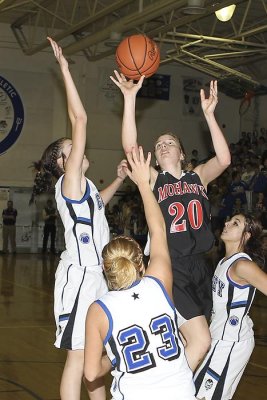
x=135, y=296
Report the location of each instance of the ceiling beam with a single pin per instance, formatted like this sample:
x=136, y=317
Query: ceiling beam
x=126, y=23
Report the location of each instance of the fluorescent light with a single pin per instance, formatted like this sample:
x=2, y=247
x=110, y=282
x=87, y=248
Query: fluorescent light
x=226, y=13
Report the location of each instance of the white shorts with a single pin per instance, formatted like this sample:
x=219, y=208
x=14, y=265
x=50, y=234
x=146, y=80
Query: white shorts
x=220, y=372
x=76, y=288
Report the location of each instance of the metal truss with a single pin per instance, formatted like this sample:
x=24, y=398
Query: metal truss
x=198, y=40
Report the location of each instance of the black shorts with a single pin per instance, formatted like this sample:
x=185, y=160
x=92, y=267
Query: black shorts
x=192, y=292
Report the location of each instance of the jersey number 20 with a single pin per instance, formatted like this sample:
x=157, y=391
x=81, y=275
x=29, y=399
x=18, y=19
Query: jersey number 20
x=194, y=215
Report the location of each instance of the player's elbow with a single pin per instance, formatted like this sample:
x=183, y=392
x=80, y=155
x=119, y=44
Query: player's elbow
x=90, y=374
x=81, y=118
x=227, y=161
x=128, y=147
x=224, y=162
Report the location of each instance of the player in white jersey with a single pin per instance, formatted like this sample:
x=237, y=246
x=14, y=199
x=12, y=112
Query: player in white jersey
x=235, y=281
x=136, y=321
x=79, y=276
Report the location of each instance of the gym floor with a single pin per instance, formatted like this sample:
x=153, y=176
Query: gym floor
x=31, y=367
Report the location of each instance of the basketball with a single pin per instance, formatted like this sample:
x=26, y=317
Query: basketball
x=138, y=55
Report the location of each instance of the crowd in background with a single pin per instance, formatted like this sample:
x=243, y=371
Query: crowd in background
x=241, y=188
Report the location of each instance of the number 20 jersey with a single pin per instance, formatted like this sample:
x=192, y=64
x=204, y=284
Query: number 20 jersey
x=143, y=344
x=185, y=206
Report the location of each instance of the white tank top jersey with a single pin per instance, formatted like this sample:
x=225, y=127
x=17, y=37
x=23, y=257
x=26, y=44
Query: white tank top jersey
x=143, y=344
x=231, y=304
x=85, y=224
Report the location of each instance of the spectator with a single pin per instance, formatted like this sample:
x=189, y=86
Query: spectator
x=9, y=227
x=237, y=188
x=248, y=173
x=49, y=217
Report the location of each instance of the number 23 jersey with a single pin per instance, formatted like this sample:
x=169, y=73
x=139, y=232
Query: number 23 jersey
x=143, y=344
x=186, y=210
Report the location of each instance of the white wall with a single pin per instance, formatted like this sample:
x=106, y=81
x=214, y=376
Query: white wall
x=38, y=81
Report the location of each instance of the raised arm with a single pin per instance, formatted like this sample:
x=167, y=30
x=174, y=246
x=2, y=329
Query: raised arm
x=215, y=166
x=129, y=90
x=160, y=263
x=74, y=181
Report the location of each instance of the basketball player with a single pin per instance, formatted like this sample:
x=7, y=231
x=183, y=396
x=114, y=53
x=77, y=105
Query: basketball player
x=136, y=321
x=235, y=281
x=79, y=277
x=185, y=206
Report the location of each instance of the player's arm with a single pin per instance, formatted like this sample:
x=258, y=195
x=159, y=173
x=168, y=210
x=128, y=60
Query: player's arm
x=110, y=190
x=95, y=363
x=250, y=273
x=72, y=187
x=129, y=90
x=215, y=166
x=160, y=263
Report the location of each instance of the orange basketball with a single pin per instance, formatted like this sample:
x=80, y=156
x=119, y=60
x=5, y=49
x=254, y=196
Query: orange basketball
x=137, y=55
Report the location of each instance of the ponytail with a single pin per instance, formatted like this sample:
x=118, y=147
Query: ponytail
x=47, y=168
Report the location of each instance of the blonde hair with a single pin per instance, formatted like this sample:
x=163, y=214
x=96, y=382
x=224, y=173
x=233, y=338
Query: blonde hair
x=123, y=262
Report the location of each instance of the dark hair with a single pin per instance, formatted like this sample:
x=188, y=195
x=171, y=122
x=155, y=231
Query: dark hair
x=253, y=246
x=47, y=168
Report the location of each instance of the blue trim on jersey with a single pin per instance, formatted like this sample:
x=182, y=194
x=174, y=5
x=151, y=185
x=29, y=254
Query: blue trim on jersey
x=64, y=317
x=239, y=303
x=85, y=196
x=135, y=283
x=169, y=300
x=213, y=374
x=81, y=219
x=234, y=283
x=110, y=320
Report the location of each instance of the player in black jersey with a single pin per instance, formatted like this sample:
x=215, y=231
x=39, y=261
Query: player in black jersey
x=184, y=203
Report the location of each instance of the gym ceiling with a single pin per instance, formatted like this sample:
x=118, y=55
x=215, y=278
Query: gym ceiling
x=188, y=33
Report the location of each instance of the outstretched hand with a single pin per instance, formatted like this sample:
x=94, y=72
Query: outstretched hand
x=58, y=53
x=122, y=170
x=127, y=86
x=208, y=105
x=140, y=171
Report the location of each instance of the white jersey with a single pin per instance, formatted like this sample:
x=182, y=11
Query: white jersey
x=143, y=344
x=231, y=304
x=86, y=227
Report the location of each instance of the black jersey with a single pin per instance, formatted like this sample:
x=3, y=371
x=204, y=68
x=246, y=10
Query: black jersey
x=186, y=210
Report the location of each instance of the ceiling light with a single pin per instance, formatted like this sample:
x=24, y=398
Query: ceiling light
x=226, y=13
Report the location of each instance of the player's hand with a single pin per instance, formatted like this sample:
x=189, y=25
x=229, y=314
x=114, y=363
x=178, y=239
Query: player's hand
x=128, y=87
x=122, y=170
x=208, y=105
x=140, y=171
x=58, y=53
